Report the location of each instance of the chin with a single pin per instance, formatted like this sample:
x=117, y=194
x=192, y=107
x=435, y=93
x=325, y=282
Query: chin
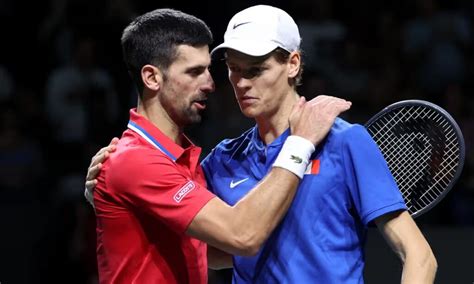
x=248, y=113
x=195, y=119
x=192, y=116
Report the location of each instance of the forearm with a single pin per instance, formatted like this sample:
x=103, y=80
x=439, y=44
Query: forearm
x=258, y=213
x=255, y=216
x=407, y=241
x=419, y=267
x=241, y=229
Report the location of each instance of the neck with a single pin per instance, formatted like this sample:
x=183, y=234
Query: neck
x=154, y=112
x=272, y=126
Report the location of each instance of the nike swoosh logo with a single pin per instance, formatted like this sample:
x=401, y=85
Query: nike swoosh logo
x=237, y=25
x=234, y=184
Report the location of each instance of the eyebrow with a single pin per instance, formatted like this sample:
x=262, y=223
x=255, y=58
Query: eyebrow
x=199, y=66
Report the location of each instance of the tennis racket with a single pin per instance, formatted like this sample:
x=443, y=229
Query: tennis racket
x=424, y=150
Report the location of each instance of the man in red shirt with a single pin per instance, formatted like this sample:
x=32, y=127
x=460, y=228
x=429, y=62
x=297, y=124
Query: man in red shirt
x=153, y=210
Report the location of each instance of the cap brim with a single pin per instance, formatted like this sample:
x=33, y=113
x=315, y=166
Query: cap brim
x=252, y=48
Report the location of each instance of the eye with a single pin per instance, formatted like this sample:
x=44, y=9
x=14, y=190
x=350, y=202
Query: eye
x=196, y=71
x=253, y=72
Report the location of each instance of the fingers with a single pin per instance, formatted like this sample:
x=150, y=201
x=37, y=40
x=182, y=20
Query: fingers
x=109, y=148
x=104, y=152
x=317, y=116
x=346, y=106
x=91, y=184
x=101, y=156
x=301, y=102
x=330, y=100
x=93, y=172
x=340, y=105
x=88, y=193
x=298, y=106
x=114, y=141
x=331, y=105
x=96, y=165
x=297, y=109
x=91, y=180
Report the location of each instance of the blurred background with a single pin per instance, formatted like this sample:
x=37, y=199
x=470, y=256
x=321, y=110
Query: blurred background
x=64, y=93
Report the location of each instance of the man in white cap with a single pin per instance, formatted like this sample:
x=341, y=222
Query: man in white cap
x=346, y=186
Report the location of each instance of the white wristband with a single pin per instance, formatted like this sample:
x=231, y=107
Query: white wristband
x=294, y=155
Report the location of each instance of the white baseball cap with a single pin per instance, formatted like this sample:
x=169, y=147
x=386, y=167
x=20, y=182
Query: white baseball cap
x=259, y=30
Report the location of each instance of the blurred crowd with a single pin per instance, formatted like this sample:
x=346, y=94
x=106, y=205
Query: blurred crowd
x=64, y=93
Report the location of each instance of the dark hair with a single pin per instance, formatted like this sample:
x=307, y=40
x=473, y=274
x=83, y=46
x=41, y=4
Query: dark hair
x=282, y=56
x=152, y=38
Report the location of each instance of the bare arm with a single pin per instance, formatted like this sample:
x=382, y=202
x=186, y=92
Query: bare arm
x=242, y=228
x=403, y=235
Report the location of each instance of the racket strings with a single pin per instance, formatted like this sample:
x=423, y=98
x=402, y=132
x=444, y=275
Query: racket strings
x=422, y=151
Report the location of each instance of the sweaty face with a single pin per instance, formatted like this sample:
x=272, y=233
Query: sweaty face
x=260, y=83
x=186, y=85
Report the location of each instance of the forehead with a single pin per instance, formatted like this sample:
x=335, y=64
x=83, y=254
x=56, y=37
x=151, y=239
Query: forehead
x=238, y=58
x=189, y=56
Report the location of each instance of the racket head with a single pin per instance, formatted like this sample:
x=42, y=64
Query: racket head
x=424, y=150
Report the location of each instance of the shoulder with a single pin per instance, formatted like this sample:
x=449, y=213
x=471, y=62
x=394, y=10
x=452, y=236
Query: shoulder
x=131, y=161
x=231, y=146
x=345, y=132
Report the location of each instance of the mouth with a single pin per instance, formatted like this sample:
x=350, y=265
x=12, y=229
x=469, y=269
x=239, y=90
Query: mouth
x=247, y=99
x=200, y=104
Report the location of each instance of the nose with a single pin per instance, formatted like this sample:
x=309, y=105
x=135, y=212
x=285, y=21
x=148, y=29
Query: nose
x=242, y=82
x=209, y=85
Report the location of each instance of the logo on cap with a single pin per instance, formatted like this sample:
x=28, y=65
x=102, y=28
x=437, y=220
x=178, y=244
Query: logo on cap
x=237, y=25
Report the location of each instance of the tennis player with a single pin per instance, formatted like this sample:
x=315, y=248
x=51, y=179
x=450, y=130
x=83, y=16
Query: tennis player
x=346, y=186
x=154, y=213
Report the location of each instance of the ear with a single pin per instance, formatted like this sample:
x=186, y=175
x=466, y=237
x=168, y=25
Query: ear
x=152, y=77
x=294, y=64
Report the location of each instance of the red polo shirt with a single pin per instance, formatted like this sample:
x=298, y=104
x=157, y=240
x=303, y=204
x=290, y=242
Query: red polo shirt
x=149, y=191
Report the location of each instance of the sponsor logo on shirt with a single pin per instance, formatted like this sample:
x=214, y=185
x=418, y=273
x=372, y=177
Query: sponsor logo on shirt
x=183, y=191
x=234, y=184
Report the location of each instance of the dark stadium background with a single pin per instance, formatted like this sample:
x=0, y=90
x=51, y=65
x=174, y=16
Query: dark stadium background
x=52, y=120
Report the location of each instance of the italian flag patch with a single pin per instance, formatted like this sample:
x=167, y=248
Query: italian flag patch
x=313, y=167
